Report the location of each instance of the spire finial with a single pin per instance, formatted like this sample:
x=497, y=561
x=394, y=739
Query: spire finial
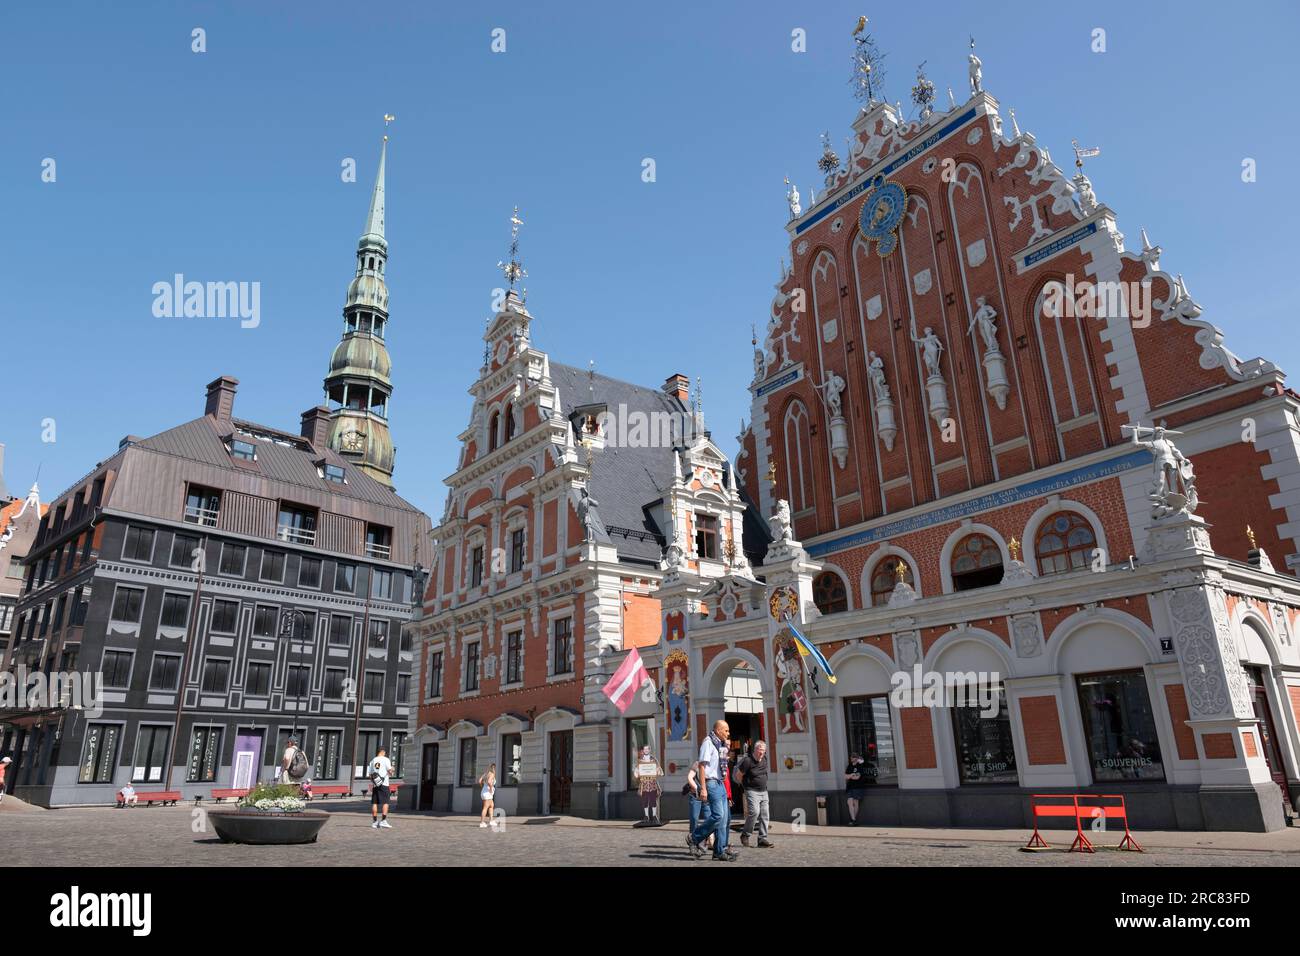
x=1083, y=152
x=868, y=65
x=388, y=118
x=514, y=269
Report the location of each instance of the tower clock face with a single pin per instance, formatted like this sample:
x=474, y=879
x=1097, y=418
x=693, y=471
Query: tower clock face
x=353, y=440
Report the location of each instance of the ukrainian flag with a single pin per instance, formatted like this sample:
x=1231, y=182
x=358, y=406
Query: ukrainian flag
x=807, y=649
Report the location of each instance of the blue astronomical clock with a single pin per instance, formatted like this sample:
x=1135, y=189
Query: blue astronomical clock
x=882, y=211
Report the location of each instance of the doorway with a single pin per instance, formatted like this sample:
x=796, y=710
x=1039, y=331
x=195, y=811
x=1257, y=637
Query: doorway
x=743, y=711
x=428, y=775
x=247, y=758
x=1264, y=717
x=560, y=746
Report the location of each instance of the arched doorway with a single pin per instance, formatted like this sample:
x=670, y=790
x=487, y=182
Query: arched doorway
x=742, y=708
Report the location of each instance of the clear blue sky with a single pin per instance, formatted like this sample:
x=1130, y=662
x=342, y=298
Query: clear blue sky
x=225, y=166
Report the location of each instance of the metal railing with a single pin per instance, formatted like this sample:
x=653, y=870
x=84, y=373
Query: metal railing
x=202, y=516
x=296, y=535
x=378, y=550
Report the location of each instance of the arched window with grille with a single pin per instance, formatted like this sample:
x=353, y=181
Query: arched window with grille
x=976, y=562
x=885, y=576
x=1065, y=542
x=829, y=594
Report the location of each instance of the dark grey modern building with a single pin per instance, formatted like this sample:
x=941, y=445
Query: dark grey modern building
x=232, y=583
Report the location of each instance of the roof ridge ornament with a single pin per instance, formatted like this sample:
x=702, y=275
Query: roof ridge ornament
x=868, y=65
x=514, y=269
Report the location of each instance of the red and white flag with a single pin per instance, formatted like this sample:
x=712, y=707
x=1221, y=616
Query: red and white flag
x=627, y=680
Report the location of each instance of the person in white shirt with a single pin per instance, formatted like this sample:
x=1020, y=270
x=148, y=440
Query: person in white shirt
x=127, y=796
x=713, y=760
x=381, y=769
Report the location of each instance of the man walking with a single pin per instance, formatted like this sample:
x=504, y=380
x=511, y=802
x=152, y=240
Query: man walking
x=752, y=771
x=381, y=768
x=713, y=759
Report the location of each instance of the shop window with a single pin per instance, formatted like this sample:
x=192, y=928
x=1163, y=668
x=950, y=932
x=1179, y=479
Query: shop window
x=870, y=733
x=468, y=761
x=985, y=751
x=512, y=755
x=1119, y=726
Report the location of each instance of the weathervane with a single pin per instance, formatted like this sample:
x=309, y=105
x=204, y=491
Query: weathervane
x=868, y=64
x=1083, y=152
x=514, y=270
x=923, y=92
x=388, y=118
x=829, y=164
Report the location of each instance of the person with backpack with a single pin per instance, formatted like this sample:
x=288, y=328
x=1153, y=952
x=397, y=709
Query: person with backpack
x=489, y=784
x=293, y=765
x=381, y=769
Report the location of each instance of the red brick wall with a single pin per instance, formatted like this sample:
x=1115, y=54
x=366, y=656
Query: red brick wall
x=1218, y=746
x=1043, y=741
x=1176, y=700
x=918, y=737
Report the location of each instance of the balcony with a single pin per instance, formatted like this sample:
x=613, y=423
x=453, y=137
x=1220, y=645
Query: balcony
x=207, y=517
x=376, y=550
x=296, y=535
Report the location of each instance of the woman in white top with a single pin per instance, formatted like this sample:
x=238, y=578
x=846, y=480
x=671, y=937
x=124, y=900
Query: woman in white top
x=489, y=783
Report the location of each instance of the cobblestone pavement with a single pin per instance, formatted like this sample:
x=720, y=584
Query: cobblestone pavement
x=181, y=836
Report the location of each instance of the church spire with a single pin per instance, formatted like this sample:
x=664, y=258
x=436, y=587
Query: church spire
x=358, y=385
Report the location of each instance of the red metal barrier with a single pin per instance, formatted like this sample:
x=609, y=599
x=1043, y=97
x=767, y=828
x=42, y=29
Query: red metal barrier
x=1091, y=805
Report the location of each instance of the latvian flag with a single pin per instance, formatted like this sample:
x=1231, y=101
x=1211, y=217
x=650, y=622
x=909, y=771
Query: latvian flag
x=627, y=680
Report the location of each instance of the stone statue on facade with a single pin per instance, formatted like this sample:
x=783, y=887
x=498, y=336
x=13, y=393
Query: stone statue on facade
x=876, y=372
x=589, y=516
x=834, y=387
x=976, y=75
x=792, y=197
x=1173, y=482
x=984, y=317
x=931, y=350
x=782, y=532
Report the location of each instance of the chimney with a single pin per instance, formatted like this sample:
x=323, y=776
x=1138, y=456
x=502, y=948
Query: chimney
x=316, y=426
x=680, y=386
x=221, y=397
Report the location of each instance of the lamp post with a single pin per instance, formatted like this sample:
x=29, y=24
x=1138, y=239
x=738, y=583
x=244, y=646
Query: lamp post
x=286, y=631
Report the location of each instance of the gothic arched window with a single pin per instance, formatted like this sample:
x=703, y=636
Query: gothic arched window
x=798, y=457
x=510, y=421
x=829, y=594
x=494, y=430
x=1065, y=542
x=976, y=563
x=885, y=576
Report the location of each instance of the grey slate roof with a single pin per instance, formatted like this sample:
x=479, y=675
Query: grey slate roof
x=626, y=481
x=629, y=482
x=203, y=440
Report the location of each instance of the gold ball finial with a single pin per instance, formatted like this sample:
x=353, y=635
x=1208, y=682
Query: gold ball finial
x=900, y=571
x=1250, y=536
x=1014, y=547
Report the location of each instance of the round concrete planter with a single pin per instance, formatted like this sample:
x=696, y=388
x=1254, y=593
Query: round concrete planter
x=267, y=826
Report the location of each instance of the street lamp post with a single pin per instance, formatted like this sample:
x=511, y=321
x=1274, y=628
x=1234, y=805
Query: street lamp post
x=287, y=621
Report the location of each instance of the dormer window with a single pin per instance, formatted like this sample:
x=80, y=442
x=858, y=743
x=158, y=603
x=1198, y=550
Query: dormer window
x=243, y=450
x=202, y=506
x=333, y=473
x=706, y=536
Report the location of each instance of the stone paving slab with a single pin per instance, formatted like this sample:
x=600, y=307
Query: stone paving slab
x=182, y=836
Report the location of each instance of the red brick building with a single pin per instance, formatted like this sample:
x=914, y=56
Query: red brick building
x=947, y=404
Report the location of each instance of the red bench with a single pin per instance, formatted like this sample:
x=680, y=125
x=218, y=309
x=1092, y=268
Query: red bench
x=325, y=789
x=233, y=794
x=158, y=796
x=392, y=789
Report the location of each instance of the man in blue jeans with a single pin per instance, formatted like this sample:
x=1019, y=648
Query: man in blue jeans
x=716, y=814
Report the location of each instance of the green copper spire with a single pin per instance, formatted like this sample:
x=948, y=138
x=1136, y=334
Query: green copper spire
x=359, y=384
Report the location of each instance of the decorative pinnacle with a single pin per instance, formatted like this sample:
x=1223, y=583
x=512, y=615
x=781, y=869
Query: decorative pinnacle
x=388, y=118
x=900, y=571
x=1014, y=547
x=1250, y=536
x=514, y=269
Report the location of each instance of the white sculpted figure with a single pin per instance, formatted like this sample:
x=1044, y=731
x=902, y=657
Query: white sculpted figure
x=931, y=350
x=1173, y=482
x=984, y=316
x=976, y=75
x=781, y=523
x=876, y=372
x=792, y=197
x=834, y=386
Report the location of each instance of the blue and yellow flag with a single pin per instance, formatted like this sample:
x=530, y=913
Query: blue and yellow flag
x=808, y=649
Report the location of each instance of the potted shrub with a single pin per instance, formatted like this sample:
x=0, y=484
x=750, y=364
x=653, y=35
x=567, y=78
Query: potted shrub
x=270, y=813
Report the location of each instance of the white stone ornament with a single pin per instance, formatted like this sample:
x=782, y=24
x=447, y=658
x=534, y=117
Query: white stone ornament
x=874, y=308
x=974, y=136
x=976, y=253
x=921, y=282
x=1173, y=482
x=881, y=400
